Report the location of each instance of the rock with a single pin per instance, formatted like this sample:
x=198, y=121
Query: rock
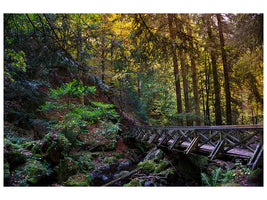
x=155, y=155
x=148, y=166
x=105, y=178
x=123, y=165
x=53, y=145
x=150, y=183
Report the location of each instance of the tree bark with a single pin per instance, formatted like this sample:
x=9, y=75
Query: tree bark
x=194, y=77
x=218, y=115
x=207, y=83
x=185, y=87
x=176, y=72
x=226, y=72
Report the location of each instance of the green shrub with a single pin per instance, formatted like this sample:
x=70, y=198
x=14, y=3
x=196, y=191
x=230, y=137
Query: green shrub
x=78, y=117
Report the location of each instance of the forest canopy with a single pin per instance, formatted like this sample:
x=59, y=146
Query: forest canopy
x=160, y=69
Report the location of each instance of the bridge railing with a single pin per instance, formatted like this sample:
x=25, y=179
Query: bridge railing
x=246, y=140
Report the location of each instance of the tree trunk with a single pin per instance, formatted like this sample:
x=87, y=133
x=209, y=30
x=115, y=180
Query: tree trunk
x=194, y=77
x=103, y=60
x=207, y=72
x=218, y=115
x=185, y=87
x=226, y=73
x=176, y=72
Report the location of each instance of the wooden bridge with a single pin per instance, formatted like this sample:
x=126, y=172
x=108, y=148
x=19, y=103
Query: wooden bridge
x=244, y=141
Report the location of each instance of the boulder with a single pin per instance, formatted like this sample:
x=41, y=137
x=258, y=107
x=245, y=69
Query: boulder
x=53, y=146
x=155, y=155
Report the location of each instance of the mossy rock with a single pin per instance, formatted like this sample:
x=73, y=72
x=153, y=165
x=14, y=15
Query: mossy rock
x=134, y=182
x=148, y=166
x=53, y=146
x=161, y=166
x=79, y=180
x=155, y=155
x=122, y=173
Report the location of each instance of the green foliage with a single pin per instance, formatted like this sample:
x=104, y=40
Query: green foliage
x=72, y=89
x=148, y=166
x=213, y=179
x=161, y=166
x=13, y=59
x=31, y=173
x=78, y=117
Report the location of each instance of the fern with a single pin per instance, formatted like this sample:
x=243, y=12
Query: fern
x=215, y=174
x=206, y=179
x=213, y=179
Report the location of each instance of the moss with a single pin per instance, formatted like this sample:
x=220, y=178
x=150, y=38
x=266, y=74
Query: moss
x=54, y=147
x=148, y=166
x=160, y=167
x=134, y=182
x=79, y=180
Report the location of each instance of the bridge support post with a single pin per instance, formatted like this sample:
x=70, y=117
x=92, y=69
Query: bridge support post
x=192, y=145
x=219, y=147
x=154, y=137
x=254, y=160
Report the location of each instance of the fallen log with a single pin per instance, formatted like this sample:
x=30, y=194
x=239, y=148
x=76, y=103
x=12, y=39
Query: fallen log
x=122, y=177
